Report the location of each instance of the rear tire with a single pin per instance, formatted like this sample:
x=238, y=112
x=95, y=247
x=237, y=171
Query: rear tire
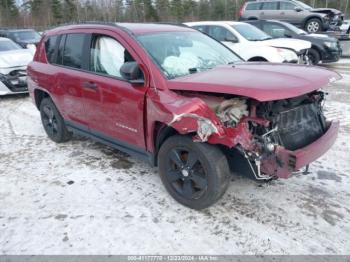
x=314, y=56
x=53, y=122
x=313, y=25
x=195, y=174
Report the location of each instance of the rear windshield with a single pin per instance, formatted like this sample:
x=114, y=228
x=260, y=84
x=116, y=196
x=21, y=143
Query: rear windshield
x=253, y=6
x=8, y=45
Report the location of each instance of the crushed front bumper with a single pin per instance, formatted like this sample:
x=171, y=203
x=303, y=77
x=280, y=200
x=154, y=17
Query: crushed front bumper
x=286, y=162
x=14, y=82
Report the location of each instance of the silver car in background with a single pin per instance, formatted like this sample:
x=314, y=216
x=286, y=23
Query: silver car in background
x=313, y=20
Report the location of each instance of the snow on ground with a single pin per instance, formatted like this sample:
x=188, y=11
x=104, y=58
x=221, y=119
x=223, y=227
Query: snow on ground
x=85, y=198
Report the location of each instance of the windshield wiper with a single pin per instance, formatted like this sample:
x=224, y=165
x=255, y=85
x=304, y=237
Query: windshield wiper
x=194, y=70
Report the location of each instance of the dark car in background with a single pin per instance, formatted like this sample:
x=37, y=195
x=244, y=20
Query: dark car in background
x=26, y=38
x=324, y=49
x=313, y=20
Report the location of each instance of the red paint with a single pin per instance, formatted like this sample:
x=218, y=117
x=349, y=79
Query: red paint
x=261, y=81
x=116, y=107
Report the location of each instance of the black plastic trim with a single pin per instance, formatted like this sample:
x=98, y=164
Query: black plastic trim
x=112, y=142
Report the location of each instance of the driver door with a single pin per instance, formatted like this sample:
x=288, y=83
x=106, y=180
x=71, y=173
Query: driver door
x=114, y=105
x=289, y=14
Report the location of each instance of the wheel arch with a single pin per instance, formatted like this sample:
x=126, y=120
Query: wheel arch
x=161, y=133
x=39, y=95
x=313, y=16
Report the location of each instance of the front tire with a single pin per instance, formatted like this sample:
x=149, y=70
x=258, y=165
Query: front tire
x=314, y=56
x=195, y=174
x=313, y=25
x=53, y=122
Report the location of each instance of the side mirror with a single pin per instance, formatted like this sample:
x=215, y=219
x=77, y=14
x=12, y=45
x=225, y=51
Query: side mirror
x=298, y=9
x=231, y=39
x=132, y=72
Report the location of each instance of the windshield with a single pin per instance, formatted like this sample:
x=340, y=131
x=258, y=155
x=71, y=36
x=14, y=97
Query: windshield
x=25, y=36
x=250, y=32
x=294, y=28
x=303, y=5
x=8, y=45
x=183, y=53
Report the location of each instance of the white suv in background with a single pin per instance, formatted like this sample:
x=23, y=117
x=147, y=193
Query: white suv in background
x=252, y=44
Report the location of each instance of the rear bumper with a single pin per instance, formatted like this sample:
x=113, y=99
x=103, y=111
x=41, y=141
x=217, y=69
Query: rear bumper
x=287, y=162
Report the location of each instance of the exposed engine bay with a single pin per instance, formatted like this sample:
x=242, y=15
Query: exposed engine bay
x=264, y=131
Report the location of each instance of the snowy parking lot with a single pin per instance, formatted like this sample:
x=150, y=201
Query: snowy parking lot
x=84, y=198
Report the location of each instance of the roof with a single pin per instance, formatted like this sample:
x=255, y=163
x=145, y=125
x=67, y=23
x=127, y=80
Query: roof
x=213, y=23
x=133, y=28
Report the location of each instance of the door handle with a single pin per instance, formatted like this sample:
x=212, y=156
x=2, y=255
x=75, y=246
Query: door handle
x=89, y=85
x=283, y=13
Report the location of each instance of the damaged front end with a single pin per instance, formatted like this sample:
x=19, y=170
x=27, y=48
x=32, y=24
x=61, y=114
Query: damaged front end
x=14, y=81
x=276, y=138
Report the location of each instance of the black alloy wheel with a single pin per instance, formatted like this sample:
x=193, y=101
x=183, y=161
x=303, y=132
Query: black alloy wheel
x=195, y=174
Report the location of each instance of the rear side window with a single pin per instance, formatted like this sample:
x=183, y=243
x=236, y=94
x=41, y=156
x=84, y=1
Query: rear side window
x=287, y=6
x=73, y=50
x=270, y=6
x=253, y=6
x=50, y=48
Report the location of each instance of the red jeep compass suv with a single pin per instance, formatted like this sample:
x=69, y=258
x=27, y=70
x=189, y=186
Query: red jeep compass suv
x=183, y=101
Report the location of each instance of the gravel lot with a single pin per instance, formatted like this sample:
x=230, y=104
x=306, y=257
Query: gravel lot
x=84, y=198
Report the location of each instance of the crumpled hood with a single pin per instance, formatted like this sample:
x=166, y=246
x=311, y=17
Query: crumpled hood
x=326, y=10
x=295, y=44
x=15, y=58
x=260, y=81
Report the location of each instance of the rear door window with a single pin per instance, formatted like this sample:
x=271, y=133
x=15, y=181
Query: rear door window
x=50, y=48
x=253, y=6
x=287, y=6
x=60, y=50
x=270, y=6
x=73, y=50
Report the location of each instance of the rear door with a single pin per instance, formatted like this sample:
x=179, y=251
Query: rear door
x=114, y=106
x=70, y=76
x=270, y=10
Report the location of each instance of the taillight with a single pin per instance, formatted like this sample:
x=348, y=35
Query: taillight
x=242, y=9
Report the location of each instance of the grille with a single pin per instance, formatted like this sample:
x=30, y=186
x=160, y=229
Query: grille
x=300, y=126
